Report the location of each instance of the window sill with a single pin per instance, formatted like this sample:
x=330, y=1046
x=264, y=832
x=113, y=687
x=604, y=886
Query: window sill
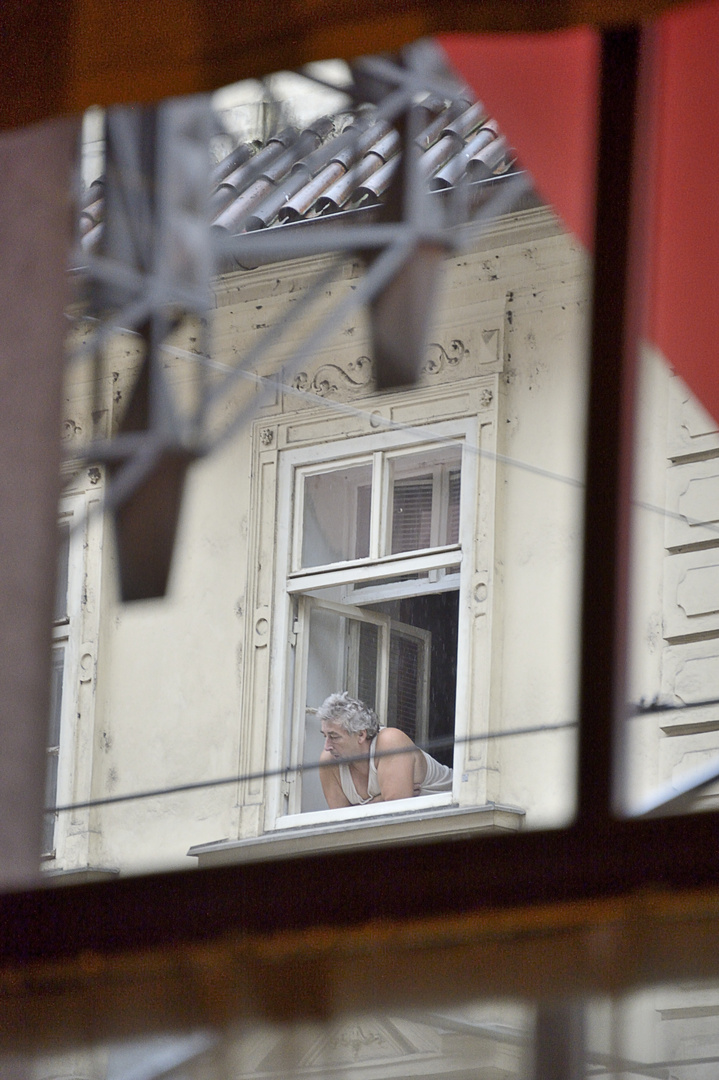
x=387, y=828
x=415, y=806
x=80, y=875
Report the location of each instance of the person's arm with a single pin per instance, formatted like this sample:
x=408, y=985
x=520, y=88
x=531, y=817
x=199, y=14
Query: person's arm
x=330, y=779
x=395, y=772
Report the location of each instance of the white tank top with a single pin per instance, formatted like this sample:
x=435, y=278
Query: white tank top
x=438, y=778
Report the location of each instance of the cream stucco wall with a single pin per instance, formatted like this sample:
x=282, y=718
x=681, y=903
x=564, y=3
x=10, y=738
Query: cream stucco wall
x=170, y=701
x=169, y=682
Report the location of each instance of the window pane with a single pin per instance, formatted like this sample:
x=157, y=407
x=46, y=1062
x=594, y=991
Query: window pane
x=425, y=491
x=423, y=669
x=48, y=821
x=455, y=481
x=336, y=519
x=482, y=1039
x=412, y=514
x=367, y=664
x=58, y=662
x=343, y=654
x=405, y=664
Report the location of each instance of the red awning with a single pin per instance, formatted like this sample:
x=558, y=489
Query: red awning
x=542, y=88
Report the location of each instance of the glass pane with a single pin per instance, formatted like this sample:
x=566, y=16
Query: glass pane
x=412, y=514
x=336, y=518
x=663, y=1032
x=343, y=654
x=58, y=663
x=49, y=819
x=406, y=684
x=422, y=689
x=485, y=1040
x=367, y=664
x=425, y=497
x=455, y=484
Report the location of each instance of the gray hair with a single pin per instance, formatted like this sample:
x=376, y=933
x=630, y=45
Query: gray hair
x=350, y=713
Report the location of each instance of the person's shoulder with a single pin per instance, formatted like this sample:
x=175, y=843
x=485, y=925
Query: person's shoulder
x=392, y=738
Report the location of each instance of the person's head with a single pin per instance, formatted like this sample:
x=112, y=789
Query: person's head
x=347, y=724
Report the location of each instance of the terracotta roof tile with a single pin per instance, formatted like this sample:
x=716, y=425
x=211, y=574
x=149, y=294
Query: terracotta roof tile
x=232, y=162
x=455, y=168
x=332, y=166
x=433, y=130
x=493, y=160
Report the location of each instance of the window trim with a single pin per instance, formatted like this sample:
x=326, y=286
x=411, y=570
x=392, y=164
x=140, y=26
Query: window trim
x=78, y=634
x=66, y=634
x=467, y=412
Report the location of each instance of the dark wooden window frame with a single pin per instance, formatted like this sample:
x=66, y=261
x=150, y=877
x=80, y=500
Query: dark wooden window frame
x=602, y=904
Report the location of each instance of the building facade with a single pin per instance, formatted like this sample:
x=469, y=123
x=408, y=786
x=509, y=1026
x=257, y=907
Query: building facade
x=419, y=547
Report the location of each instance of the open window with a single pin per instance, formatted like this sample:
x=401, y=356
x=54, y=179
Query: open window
x=374, y=545
x=376, y=558
x=373, y=572
x=383, y=661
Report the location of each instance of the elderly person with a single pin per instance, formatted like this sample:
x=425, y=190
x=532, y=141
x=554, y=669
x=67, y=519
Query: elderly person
x=363, y=762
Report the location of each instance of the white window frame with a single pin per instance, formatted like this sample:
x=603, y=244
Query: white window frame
x=384, y=447
x=79, y=635
x=314, y=438
x=386, y=626
x=66, y=634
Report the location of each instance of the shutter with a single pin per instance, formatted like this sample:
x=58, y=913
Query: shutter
x=404, y=663
x=367, y=664
x=412, y=514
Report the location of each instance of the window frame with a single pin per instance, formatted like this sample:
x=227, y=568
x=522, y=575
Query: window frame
x=466, y=411
x=446, y=927
x=77, y=633
x=307, y=605
x=66, y=637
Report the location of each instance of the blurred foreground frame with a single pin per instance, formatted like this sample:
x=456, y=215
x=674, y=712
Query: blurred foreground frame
x=602, y=905
x=153, y=267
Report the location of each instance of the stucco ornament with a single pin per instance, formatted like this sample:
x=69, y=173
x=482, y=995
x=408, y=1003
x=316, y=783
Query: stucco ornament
x=439, y=357
x=332, y=380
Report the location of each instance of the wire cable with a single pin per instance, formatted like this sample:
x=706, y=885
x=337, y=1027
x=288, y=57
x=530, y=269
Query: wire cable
x=198, y=785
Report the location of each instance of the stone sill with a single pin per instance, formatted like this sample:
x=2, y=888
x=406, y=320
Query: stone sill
x=80, y=875
x=410, y=826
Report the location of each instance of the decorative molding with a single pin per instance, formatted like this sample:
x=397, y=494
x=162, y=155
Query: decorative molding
x=359, y=1041
x=439, y=358
x=70, y=430
x=338, y=380
x=331, y=380
x=490, y=346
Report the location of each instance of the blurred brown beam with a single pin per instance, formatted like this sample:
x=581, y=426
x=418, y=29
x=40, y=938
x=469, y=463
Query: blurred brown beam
x=64, y=56
x=612, y=945
x=532, y=915
x=35, y=229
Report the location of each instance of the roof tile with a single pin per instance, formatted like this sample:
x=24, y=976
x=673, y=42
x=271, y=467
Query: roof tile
x=332, y=167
